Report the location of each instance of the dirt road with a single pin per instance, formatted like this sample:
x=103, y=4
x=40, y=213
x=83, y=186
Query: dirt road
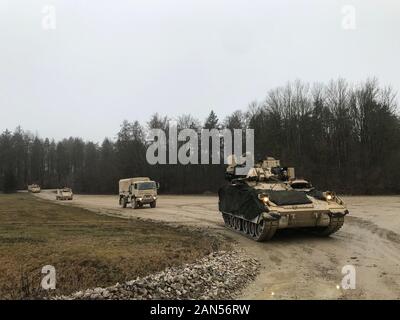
x=294, y=264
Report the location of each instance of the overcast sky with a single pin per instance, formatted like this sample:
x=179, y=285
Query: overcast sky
x=106, y=61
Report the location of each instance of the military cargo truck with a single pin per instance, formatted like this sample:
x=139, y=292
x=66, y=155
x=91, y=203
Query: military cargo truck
x=261, y=202
x=138, y=192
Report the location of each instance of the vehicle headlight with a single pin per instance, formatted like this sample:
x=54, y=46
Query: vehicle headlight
x=329, y=196
x=264, y=198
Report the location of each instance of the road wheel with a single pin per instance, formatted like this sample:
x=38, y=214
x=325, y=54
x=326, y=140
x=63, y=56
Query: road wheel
x=265, y=230
x=238, y=224
x=260, y=228
x=252, y=229
x=153, y=204
x=231, y=221
x=245, y=225
x=234, y=222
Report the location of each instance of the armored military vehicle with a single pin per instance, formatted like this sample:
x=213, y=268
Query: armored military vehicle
x=34, y=188
x=138, y=191
x=64, y=194
x=261, y=202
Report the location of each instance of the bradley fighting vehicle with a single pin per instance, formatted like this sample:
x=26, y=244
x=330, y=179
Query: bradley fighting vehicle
x=263, y=201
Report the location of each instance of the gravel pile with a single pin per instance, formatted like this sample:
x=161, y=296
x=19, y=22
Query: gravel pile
x=219, y=275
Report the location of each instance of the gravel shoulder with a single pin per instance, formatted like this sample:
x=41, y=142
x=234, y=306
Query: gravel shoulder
x=294, y=264
x=219, y=275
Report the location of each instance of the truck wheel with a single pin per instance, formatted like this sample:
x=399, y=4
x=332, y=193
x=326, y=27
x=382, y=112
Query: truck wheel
x=153, y=204
x=122, y=202
x=134, y=203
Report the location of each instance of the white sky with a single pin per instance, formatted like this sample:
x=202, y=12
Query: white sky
x=112, y=60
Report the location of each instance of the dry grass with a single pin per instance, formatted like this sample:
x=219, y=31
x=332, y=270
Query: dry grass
x=86, y=249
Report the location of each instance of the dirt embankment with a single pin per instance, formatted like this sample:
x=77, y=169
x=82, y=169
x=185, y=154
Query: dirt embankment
x=87, y=250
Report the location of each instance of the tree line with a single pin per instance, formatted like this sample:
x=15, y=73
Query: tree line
x=340, y=136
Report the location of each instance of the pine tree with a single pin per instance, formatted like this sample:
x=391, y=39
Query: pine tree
x=211, y=121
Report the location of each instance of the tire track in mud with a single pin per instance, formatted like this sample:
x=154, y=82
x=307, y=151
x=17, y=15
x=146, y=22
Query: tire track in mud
x=375, y=229
x=316, y=263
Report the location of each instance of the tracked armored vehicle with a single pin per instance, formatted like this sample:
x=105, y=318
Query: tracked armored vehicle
x=34, y=188
x=263, y=201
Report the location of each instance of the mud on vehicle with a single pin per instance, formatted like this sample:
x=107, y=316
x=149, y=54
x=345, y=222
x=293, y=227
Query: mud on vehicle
x=137, y=192
x=260, y=203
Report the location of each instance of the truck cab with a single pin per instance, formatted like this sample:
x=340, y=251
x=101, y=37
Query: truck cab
x=137, y=192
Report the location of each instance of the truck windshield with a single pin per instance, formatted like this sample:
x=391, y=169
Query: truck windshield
x=146, y=185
